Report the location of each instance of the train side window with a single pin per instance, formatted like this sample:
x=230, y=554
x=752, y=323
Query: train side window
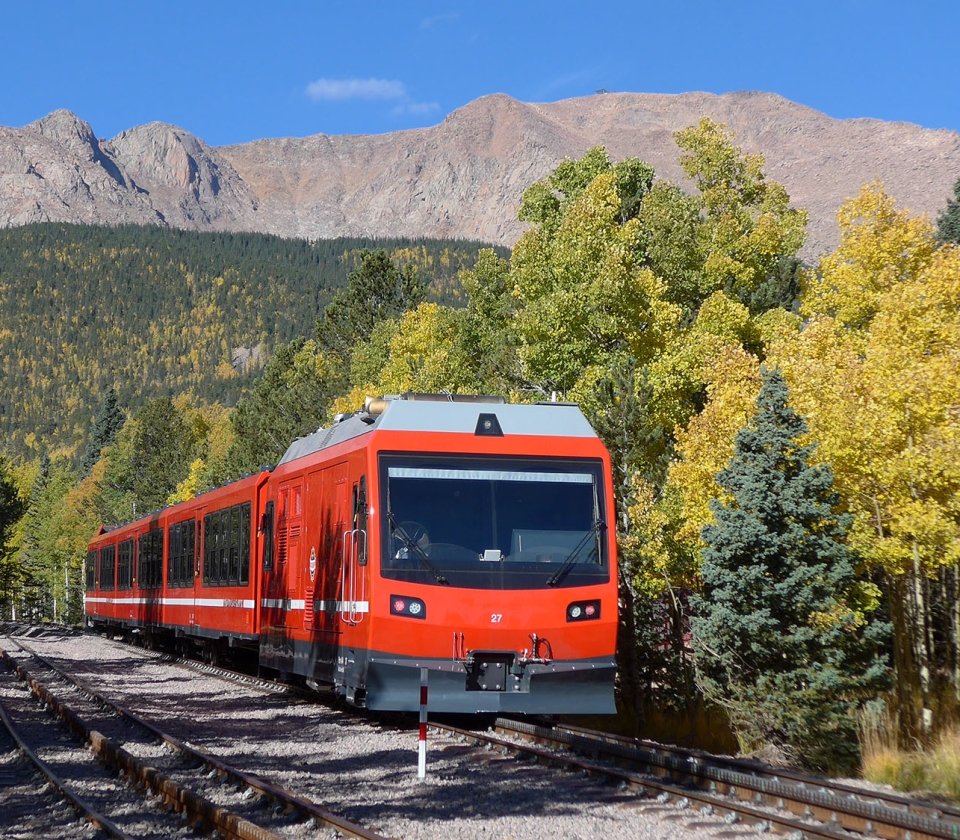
x=266, y=528
x=173, y=554
x=209, y=548
x=186, y=567
x=180, y=554
x=220, y=541
x=195, y=553
x=91, y=570
x=244, y=544
x=125, y=564
x=220, y=564
x=108, y=556
x=360, y=518
x=143, y=560
x=233, y=575
x=150, y=559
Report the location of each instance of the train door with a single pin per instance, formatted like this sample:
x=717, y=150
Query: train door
x=352, y=615
x=289, y=560
x=194, y=593
x=354, y=602
x=333, y=482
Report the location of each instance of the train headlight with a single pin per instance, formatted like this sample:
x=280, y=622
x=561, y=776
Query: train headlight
x=407, y=607
x=583, y=611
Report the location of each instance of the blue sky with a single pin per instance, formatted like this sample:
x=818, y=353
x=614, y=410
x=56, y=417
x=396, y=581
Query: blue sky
x=237, y=71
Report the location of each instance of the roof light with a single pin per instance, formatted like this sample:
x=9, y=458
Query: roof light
x=487, y=424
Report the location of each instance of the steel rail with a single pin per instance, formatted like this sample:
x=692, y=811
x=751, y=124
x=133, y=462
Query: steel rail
x=85, y=810
x=812, y=798
x=936, y=810
x=197, y=807
x=286, y=798
x=684, y=796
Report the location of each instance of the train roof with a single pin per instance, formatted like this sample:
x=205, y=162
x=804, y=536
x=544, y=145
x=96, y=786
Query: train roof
x=418, y=413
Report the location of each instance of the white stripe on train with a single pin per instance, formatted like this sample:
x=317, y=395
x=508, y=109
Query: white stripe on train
x=289, y=605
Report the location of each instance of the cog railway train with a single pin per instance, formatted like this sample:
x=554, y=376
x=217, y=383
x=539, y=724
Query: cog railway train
x=463, y=535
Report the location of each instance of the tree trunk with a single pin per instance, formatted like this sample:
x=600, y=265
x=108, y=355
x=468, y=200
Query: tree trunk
x=954, y=602
x=921, y=651
x=628, y=667
x=906, y=682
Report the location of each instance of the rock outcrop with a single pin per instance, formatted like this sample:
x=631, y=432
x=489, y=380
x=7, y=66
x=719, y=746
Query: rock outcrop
x=461, y=178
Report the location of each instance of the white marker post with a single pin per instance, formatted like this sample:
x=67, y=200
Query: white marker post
x=422, y=761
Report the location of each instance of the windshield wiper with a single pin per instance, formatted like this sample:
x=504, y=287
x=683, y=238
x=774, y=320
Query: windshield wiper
x=413, y=546
x=572, y=560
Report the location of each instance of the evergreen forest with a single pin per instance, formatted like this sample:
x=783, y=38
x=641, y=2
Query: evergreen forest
x=785, y=437
x=156, y=312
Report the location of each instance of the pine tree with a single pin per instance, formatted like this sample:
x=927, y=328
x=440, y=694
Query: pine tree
x=31, y=555
x=948, y=222
x=108, y=422
x=781, y=637
x=164, y=447
x=376, y=290
x=11, y=509
x=289, y=400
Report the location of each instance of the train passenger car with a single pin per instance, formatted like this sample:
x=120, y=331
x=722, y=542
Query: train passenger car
x=122, y=573
x=184, y=572
x=465, y=536
x=212, y=581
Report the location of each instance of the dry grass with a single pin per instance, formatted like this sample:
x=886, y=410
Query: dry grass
x=935, y=770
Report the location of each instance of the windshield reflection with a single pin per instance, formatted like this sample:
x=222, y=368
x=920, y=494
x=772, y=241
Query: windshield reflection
x=493, y=523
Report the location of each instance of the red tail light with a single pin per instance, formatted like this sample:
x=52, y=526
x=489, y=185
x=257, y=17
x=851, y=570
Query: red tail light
x=583, y=611
x=408, y=607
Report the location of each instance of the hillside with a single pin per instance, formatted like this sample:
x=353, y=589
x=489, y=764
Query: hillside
x=155, y=311
x=462, y=178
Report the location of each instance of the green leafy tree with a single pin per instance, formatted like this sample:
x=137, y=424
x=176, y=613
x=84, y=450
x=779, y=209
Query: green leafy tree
x=583, y=292
x=31, y=551
x=732, y=236
x=47, y=561
x=487, y=333
x=164, y=447
x=781, y=634
x=113, y=498
x=12, y=507
x=948, y=222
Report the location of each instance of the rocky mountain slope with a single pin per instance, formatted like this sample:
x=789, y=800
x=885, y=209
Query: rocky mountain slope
x=461, y=178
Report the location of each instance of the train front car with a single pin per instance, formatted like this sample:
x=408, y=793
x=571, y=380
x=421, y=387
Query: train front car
x=492, y=527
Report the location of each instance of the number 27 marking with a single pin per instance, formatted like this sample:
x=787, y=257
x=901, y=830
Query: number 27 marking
x=496, y=618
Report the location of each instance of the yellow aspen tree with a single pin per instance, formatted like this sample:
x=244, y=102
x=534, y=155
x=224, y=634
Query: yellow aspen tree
x=876, y=373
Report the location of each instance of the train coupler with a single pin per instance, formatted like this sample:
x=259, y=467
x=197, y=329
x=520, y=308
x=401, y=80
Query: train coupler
x=487, y=670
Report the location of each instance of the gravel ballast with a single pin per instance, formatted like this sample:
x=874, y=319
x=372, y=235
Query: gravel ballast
x=367, y=772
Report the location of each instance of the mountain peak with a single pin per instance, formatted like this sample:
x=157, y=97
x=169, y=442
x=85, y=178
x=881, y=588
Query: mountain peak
x=461, y=178
x=63, y=126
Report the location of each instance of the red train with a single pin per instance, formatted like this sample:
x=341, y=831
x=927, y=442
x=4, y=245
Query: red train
x=463, y=535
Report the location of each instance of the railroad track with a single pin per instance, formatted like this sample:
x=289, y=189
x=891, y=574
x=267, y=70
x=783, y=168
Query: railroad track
x=666, y=756
x=210, y=792
x=32, y=787
x=770, y=799
x=53, y=771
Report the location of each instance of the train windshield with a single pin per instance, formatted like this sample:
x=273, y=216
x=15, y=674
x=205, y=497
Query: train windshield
x=493, y=523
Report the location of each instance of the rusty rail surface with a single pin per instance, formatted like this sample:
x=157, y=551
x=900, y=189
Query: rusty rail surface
x=727, y=784
x=199, y=808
